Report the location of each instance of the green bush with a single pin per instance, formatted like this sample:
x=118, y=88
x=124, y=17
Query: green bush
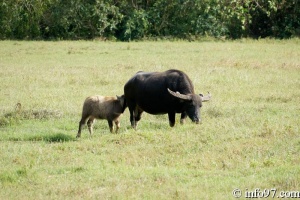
x=129, y=20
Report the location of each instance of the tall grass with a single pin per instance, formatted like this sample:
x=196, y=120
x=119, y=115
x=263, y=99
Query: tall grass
x=249, y=137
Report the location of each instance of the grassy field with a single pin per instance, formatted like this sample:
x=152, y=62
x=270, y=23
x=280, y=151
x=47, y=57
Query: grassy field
x=248, y=139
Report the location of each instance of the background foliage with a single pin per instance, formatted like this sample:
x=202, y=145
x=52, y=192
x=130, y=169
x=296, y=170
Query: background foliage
x=138, y=19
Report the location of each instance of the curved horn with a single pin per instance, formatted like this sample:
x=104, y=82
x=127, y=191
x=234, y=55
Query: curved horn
x=205, y=98
x=180, y=96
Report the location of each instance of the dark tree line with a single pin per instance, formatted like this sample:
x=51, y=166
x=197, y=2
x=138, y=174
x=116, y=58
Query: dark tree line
x=137, y=19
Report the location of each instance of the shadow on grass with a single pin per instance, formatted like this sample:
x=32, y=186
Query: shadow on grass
x=55, y=138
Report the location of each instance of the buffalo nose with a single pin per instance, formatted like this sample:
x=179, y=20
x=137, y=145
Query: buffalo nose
x=197, y=121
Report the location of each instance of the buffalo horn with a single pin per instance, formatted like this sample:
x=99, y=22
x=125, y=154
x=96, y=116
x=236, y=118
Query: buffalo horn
x=205, y=98
x=180, y=96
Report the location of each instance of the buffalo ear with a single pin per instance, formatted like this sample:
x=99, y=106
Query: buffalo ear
x=205, y=98
x=180, y=96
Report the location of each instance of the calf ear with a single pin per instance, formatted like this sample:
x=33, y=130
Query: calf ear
x=120, y=98
x=205, y=98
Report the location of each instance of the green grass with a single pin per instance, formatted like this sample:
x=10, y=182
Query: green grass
x=248, y=139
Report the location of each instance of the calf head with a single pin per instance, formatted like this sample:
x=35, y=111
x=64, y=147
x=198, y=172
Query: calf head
x=122, y=103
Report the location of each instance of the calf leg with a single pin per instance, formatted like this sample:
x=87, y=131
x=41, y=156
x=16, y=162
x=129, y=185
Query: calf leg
x=117, y=123
x=90, y=125
x=81, y=123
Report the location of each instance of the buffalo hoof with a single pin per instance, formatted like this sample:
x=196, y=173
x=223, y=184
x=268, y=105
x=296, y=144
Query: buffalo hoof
x=172, y=124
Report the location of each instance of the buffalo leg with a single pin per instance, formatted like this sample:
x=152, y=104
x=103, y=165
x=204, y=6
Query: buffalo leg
x=138, y=114
x=132, y=118
x=171, y=119
x=110, y=124
x=90, y=125
x=182, y=117
x=131, y=106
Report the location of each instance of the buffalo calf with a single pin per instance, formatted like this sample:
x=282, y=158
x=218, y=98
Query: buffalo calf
x=101, y=107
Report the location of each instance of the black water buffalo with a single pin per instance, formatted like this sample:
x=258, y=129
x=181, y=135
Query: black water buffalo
x=169, y=92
